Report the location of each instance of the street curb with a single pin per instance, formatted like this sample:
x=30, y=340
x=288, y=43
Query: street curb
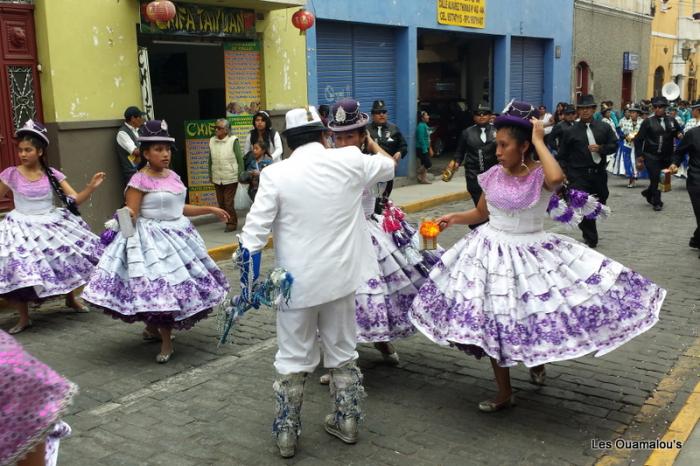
x=664, y=394
x=225, y=252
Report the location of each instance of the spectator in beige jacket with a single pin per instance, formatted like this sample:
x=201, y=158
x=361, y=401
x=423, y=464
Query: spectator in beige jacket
x=225, y=166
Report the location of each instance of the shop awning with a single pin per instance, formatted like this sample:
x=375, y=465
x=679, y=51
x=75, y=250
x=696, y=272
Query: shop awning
x=258, y=5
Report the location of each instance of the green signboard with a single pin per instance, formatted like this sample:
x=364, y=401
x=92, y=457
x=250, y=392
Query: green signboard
x=203, y=21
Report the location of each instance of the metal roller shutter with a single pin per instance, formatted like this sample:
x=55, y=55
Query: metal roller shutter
x=356, y=61
x=527, y=70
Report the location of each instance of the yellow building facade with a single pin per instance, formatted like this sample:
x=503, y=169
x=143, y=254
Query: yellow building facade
x=90, y=62
x=674, y=53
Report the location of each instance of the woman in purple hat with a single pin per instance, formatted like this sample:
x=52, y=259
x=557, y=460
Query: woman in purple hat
x=382, y=303
x=517, y=293
x=44, y=251
x=160, y=272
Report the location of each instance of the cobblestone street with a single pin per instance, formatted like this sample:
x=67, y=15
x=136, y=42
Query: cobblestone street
x=213, y=406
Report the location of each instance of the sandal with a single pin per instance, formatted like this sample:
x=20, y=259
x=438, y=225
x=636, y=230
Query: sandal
x=388, y=352
x=77, y=306
x=20, y=328
x=163, y=358
x=537, y=377
x=490, y=406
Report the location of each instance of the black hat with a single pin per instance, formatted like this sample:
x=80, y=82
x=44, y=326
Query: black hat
x=132, y=112
x=568, y=109
x=378, y=106
x=695, y=104
x=635, y=107
x=586, y=100
x=483, y=108
x=659, y=101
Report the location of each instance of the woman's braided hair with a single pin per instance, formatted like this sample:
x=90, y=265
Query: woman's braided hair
x=38, y=144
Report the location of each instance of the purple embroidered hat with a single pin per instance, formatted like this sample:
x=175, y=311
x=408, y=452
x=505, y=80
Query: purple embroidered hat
x=34, y=128
x=516, y=113
x=155, y=131
x=347, y=116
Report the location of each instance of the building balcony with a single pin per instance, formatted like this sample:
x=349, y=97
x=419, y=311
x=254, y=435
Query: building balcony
x=688, y=29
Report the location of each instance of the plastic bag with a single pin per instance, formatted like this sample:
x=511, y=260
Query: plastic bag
x=242, y=201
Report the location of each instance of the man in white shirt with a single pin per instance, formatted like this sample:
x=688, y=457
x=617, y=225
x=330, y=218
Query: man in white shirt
x=126, y=142
x=311, y=203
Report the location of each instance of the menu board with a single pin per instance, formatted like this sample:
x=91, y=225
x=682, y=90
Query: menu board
x=242, y=75
x=197, y=134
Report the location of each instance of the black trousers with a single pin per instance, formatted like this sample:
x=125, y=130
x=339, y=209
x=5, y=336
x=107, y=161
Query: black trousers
x=654, y=166
x=475, y=192
x=424, y=159
x=694, y=193
x=592, y=181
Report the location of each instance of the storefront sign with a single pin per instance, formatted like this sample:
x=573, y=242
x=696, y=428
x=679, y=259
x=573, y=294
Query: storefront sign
x=242, y=76
x=465, y=13
x=630, y=61
x=197, y=135
x=199, y=20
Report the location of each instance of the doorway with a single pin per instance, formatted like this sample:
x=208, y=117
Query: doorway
x=20, y=97
x=626, y=88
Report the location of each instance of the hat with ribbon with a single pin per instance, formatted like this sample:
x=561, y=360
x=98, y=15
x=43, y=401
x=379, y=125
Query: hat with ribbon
x=695, y=104
x=635, y=107
x=585, y=100
x=482, y=109
x=378, y=106
x=346, y=116
x=569, y=109
x=155, y=131
x=516, y=113
x=33, y=128
x=659, y=101
x=302, y=120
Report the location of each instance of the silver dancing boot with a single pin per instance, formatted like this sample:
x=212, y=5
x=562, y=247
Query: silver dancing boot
x=289, y=395
x=347, y=394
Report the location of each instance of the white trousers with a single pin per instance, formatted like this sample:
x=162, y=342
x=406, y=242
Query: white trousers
x=301, y=332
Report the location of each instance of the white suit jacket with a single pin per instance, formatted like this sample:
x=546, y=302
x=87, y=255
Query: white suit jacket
x=312, y=204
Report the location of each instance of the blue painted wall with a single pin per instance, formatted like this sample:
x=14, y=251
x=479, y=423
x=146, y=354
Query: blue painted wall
x=551, y=20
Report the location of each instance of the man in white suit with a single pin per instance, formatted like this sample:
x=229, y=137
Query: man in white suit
x=311, y=203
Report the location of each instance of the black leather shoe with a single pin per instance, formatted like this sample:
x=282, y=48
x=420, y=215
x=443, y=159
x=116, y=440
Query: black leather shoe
x=657, y=208
x=591, y=244
x=693, y=243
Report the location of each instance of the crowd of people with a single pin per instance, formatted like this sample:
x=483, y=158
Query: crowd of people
x=508, y=290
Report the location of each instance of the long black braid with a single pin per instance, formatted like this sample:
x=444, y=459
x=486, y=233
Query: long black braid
x=69, y=203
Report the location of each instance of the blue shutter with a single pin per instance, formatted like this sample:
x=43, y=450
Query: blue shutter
x=527, y=70
x=333, y=61
x=374, y=67
x=516, y=68
x=356, y=61
x=533, y=71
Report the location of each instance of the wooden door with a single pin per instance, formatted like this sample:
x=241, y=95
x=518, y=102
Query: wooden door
x=626, y=88
x=20, y=97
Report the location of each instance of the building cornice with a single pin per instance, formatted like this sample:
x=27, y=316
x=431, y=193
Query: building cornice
x=588, y=5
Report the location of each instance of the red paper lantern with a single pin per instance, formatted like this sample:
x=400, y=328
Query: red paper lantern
x=160, y=11
x=303, y=20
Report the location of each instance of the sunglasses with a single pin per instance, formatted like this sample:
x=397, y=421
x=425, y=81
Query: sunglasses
x=483, y=114
x=379, y=112
x=658, y=106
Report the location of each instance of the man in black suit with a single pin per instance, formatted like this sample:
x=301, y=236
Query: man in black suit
x=582, y=154
x=554, y=137
x=476, y=150
x=654, y=142
x=690, y=144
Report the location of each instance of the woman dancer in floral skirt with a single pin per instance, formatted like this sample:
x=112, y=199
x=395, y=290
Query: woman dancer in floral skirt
x=517, y=293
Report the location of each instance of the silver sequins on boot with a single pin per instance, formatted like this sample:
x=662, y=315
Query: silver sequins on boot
x=347, y=394
x=289, y=395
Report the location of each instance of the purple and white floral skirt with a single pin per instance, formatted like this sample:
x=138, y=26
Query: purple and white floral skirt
x=532, y=298
x=162, y=275
x=382, y=303
x=43, y=255
x=33, y=397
